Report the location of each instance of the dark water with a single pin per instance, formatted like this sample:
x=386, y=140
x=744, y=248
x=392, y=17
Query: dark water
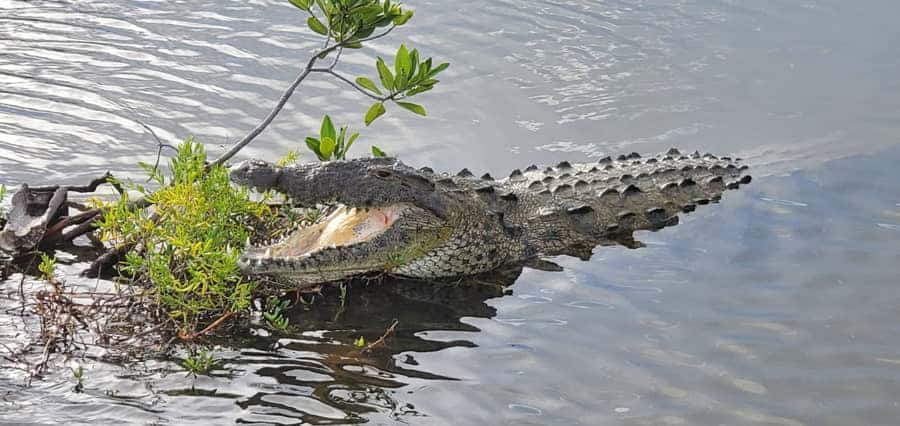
x=778, y=306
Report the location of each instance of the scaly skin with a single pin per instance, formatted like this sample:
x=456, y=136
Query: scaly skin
x=447, y=226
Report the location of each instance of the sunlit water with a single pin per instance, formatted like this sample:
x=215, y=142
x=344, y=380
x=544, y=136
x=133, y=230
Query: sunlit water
x=778, y=306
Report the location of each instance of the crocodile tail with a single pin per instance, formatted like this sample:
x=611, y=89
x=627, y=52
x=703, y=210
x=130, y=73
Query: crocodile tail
x=611, y=199
x=648, y=195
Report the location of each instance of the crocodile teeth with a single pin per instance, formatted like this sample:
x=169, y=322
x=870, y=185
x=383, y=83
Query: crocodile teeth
x=268, y=252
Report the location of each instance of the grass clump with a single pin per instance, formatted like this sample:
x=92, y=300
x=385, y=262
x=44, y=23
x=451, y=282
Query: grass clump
x=274, y=315
x=47, y=268
x=184, y=249
x=199, y=363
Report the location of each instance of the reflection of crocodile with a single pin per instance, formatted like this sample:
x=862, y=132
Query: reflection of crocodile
x=424, y=313
x=417, y=223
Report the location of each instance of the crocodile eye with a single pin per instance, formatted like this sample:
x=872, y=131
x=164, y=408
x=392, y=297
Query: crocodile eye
x=382, y=174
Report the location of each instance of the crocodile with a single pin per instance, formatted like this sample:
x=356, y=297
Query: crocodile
x=387, y=217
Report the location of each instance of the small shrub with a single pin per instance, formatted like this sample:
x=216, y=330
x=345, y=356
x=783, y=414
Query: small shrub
x=199, y=363
x=274, y=315
x=78, y=374
x=331, y=144
x=186, y=247
x=47, y=267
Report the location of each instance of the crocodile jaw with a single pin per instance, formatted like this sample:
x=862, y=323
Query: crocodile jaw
x=350, y=241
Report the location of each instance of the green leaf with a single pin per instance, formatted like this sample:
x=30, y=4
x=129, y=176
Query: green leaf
x=327, y=130
x=376, y=152
x=350, y=141
x=413, y=63
x=416, y=108
x=387, y=79
x=339, y=149
x=375, y=111
x=360, y=342
x=387, y=6
x=401, y=63
x=324, y=5
x=313, y=145
x=368, y=84
x=327, y=147
x=316, y=25
x=439, y=68
x=302, y=4
x=342, y=134
x=400, y=83
x=402, y=19
x=385, y=21
x=419, y=89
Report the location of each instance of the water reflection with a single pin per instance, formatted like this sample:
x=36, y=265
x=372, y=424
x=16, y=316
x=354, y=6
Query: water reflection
x=318, y=376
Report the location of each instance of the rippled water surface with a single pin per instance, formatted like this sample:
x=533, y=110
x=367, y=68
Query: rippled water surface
x=777, y=306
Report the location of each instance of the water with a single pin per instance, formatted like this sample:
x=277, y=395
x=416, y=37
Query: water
x=777, y=306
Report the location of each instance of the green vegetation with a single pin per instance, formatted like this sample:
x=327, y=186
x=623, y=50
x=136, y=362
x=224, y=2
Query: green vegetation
x=377, y=152
x=274, y=315
x=47, y=268
x=348, y=24
x=331, y=144
x=199, y=363
x=78, y=374
x=410, y=77
x=185, y=249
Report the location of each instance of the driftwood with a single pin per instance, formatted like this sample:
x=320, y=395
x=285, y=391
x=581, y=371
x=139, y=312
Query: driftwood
x=40, y=217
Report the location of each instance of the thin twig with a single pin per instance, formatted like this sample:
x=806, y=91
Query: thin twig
x=160, y=145
x=22, y=281
x=349, y=82
x=377, y=36
x=337, y=57
x=90, y=187
x=215, y=324
x=380, y=341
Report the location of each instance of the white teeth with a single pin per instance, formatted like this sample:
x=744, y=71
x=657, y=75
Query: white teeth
x=268, y=252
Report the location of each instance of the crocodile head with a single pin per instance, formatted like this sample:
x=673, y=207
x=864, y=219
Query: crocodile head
x=385, y=214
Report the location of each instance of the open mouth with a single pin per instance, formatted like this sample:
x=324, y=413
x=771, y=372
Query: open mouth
x=343, y=228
